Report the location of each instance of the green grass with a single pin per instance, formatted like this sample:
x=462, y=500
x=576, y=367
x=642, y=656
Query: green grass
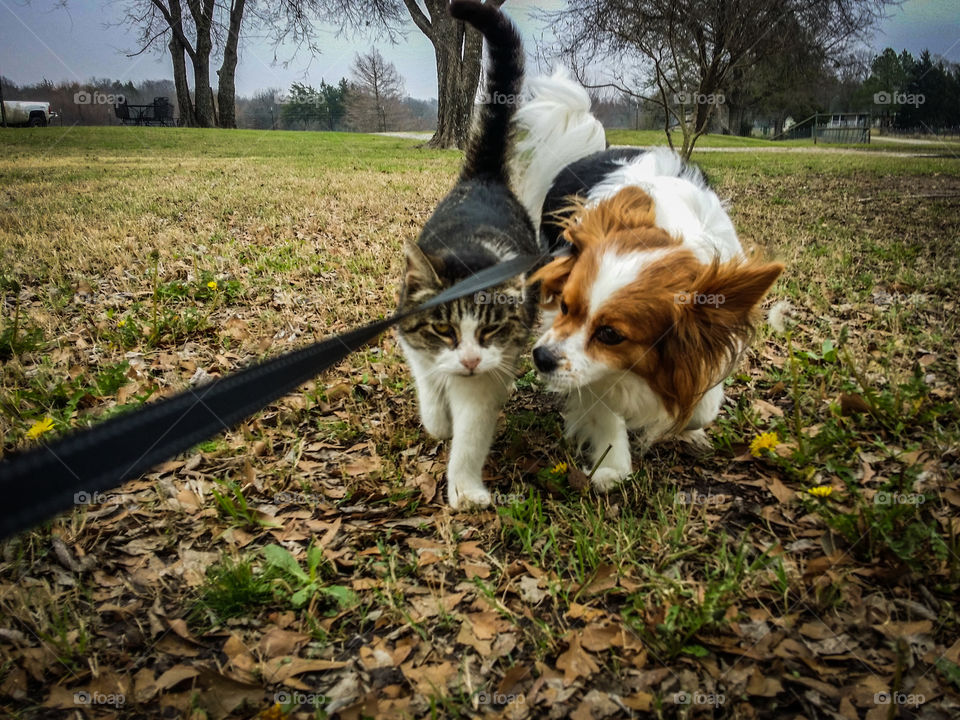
x=303, y=234
x=644, y=138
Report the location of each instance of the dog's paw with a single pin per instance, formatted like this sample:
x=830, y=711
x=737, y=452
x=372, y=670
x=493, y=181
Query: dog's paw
x=606, y=479
x=468, y=495
x=696, y=442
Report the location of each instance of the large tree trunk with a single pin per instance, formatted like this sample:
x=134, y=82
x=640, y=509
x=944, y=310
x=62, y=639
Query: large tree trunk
x=177, y=48
x=202, y=11
x=226, y=91
x=184, y=103
x=458, y=50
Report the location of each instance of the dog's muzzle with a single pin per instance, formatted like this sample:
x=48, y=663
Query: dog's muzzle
x=544, y=359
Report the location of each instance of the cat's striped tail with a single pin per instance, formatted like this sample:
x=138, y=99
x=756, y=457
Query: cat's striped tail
x=554, y=128
x=488, y=145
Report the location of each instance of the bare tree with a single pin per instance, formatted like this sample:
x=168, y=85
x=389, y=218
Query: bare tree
x=458, y=49
x=375, y=100
x=203, y=30
x=687, y=49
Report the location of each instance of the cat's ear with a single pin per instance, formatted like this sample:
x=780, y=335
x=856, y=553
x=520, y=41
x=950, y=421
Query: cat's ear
x=421, y=275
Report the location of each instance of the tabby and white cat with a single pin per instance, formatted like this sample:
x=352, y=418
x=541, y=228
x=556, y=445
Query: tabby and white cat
x=463, y=355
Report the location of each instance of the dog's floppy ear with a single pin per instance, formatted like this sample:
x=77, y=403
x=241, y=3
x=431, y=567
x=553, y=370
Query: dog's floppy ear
x=552, y=277
x=726, y=294
x=715, y=322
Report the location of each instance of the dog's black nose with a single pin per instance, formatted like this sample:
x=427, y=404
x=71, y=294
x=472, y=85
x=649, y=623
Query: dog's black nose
x=544, y=360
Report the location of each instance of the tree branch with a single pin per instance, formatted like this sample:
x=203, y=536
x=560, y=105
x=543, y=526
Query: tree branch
x=419, y=19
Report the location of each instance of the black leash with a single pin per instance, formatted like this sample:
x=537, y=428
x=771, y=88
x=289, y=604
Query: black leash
x=38, y=483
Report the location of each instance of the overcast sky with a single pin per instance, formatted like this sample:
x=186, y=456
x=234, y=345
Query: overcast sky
x=41, y=40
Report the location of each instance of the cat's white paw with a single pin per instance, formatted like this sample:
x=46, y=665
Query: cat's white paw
x=467, y=495
x=439, y=426
x=606, y=479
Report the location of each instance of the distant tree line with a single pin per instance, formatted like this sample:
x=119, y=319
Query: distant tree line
x=921, y=94
x=198, y=34
x=89, y=103
x=371, y=100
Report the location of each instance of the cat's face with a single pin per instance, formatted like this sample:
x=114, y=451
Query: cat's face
x=478, y=334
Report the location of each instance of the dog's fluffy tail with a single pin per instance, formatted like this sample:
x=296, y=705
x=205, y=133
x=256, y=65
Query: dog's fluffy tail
x=554, y=128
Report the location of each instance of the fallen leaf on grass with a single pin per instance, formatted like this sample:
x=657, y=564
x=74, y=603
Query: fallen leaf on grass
x=780, y=491
x=516, y=674
x=597, y=637
x=281, y=669
x=763, y=685
x=576, y=662
x=530, y=591
x=176, y=674
x=430, y=680
x=467, y=637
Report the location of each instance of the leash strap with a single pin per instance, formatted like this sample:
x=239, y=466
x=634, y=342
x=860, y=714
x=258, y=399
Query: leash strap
x=38, y=483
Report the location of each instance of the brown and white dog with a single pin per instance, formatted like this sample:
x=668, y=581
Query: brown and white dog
x=655, y=303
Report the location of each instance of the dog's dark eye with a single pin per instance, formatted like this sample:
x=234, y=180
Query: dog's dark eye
x=608, y=336
x=563, y=307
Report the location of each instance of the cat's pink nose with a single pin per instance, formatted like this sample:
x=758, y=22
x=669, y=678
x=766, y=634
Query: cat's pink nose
x=470, y=363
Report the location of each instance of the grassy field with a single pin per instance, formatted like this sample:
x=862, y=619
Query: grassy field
x=304, y=564
x=936, y=148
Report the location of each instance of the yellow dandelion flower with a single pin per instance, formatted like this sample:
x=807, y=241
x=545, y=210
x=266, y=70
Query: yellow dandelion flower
x=121, y=322
x=39, y=428
x=212, y=284
x=764, y=441
x=560, y=468
x=820, y=491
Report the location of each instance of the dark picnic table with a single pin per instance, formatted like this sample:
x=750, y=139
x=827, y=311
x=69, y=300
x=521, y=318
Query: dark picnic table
x=159, y=112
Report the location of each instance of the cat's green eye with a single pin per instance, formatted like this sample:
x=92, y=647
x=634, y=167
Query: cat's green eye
x=445, y=330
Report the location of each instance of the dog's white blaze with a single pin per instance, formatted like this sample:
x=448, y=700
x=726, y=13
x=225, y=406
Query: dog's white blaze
x=616, y=271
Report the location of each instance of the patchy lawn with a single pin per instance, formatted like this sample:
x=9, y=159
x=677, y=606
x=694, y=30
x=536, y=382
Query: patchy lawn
x=304, y=565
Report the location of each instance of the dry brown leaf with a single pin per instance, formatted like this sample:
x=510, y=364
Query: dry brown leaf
x=430, y=680
x=765, y=409
x=597, y=637
x=467, y=637
x=176, y=674
x=763, y=685
x=281, y=669
x=780, y=491
x=576, y=662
